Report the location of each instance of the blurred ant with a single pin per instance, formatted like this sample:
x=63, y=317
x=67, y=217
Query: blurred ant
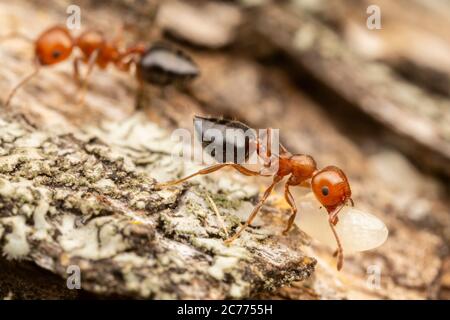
x=160, y=65
x=329, y=185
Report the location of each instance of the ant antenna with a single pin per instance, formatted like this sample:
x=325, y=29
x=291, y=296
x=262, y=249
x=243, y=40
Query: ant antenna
x=351, y=201
x=219, y=217
x=23, y=82
x=84, y=83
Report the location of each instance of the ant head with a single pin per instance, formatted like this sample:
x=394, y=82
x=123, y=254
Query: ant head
x=331, y=187
x=54, y=45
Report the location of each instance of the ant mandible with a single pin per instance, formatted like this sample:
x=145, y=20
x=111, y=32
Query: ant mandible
x=160, y=64
x=330, y=185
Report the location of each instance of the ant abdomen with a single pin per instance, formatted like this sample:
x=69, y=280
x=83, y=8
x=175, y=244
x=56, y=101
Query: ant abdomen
x=162, y=65
x=225, y=140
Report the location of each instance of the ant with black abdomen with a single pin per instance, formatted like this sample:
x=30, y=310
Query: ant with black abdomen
x=159, y=65
x=330, y=185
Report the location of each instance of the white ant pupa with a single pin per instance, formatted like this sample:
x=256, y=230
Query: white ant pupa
x=357, y=230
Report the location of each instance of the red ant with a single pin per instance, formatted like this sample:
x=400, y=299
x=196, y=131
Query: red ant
x=56, y=44
x=330, y=185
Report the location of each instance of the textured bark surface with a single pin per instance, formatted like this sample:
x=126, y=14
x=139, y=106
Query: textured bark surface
x=168, y=243
x=69, y=200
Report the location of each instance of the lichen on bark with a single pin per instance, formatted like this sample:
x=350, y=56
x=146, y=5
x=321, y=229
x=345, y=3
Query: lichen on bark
x=88, y=198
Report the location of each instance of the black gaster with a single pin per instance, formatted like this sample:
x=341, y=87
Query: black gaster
x=163, y=65
x=223, y=144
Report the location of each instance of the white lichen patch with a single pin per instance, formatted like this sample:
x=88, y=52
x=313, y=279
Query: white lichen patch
x=16, y=243
x=236, y=189
x=105, y=185
x=35, y=168
x=185, y=251
x=89, y=206
x=130, y=260
x=183, y=225
x=221, y=266
x=34, y=140
x=96, y=240
x=110, y=241
x=239, y=290
x=78, y=240
x=242, y=212
x=8, y=163
x=218, y=247
x=93, y=171
x=197, y=206
x=6, y=188
x=134, y=133
x=20, y=190
x=39, y=217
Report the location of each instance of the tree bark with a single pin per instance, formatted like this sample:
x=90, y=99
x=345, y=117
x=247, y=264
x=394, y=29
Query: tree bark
x=71, y=200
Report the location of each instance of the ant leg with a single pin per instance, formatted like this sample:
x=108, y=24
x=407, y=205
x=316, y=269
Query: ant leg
x=16, y=35
x=138, y=49
x=283, y=149
x=83, y=86
x=333, y=215
x=339, y=251
x=305, y=184
x=138, y=104
x=132, y=54
x=351, y=202
x=268, y=155
x=76, y=70
x=255, y=210
x=264, y=151
x=208, y=170
x=290, y=200
x=248, y=172
x=22, y=82
x=119, y=35
x=123, y=65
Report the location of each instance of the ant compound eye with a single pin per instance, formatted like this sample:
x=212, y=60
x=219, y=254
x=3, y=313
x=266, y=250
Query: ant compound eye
x=325, y=191
x=56, y=54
